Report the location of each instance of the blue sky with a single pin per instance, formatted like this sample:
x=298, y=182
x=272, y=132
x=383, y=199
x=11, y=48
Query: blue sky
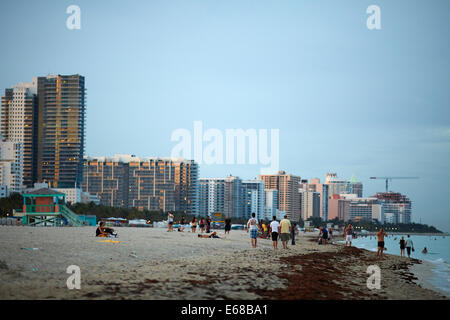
x=346, y=99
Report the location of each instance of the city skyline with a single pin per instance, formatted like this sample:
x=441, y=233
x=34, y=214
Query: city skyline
x=346, y=99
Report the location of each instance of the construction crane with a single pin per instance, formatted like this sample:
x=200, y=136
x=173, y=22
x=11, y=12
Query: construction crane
x=391, y=178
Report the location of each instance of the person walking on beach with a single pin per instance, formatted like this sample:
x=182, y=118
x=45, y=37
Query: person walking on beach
x=293, y=232
x=380, y=235
x=285, y=230
x=227, y=225
x=402, y=246
x=348, y=234
x=409, y=246
x=208, y=225
x=274, y=231
x=170, y=222
x=194, y=224
x=252, y=226
x=202, y=225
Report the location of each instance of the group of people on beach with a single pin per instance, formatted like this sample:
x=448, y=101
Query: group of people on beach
x=282, y=230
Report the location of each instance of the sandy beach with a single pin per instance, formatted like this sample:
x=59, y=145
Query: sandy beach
x=151, y=263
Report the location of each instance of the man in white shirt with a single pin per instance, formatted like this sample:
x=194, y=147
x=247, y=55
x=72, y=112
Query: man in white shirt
x=275, y=231
x=409, y=245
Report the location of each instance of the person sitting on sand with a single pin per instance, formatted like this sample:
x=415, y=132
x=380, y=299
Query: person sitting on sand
x=212, y=235
x=180, y=228
x=103, y=231
x=425, y=250
x=380, y=235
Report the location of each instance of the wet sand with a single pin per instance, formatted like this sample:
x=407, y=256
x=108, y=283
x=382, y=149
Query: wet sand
x=152, y=263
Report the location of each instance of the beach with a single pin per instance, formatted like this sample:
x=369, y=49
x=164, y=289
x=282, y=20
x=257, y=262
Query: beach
x=151, y=263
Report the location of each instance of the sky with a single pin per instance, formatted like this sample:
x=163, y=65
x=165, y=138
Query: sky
x=345, y=99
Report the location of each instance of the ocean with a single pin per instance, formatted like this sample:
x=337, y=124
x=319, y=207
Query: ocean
x=438, y=254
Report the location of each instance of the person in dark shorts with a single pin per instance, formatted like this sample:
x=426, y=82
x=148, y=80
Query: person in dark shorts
x=409, y=246
x=227, y=225
x=208, y=224
x=202, y=225
x=402, y=246
x=380, y=236
x=324, y=234
x=275, y=231
x=293, y=233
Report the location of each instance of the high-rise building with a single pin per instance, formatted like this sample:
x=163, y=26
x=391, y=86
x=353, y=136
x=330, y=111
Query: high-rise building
x=310, y=204
x=61, y=129
x=144, y=183
x=253, y=193
x=347, y=207
x=270, y=203
x=211, y=196
x=233, y=197
x=288, y=195
x=11, y=166
x=338, y=185
x=322, y=189
x=396, y=207
x=19, y=124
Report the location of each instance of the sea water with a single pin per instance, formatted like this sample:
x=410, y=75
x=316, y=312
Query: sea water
x=438, y=253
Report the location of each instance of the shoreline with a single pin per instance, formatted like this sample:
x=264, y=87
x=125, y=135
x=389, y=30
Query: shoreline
x=424, y=273
x=156, y=264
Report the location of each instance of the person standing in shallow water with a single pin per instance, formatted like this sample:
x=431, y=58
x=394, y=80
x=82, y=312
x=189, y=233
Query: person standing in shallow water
x=402, y=246
x=409, y=246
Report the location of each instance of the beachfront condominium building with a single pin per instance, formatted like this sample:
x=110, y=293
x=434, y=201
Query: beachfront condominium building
x=349, y=207
x=270, y=203
x=11, y=166
x=19, y=124
x=211, y=196
x=396, y=207
x=338, y=185
x=288, y=195
x=60, y=130
x=253, y=193
x=322, y=189
x=233, y=198
x=310, y=204
x=145, y=183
